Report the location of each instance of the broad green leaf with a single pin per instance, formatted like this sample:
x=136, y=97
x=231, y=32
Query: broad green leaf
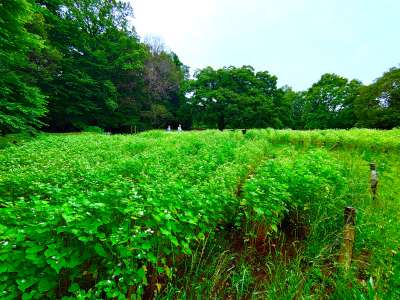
x=100, y=250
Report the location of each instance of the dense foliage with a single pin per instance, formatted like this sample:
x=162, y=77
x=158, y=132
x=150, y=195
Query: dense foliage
x=94, y=215
x=329, y=103
x=236, y=98
x=285, y=185
x=87, y=61
x=97, y=72
x=67, y=65
x=242, y=98
x=107, y=216
x=21, y=101
x=379, y=103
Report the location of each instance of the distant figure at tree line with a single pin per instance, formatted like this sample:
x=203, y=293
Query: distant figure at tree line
x=179, y=127
x=169, y=128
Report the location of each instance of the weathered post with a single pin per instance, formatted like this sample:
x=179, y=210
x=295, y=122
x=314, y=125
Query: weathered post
x=374, y=179
x=346, y=252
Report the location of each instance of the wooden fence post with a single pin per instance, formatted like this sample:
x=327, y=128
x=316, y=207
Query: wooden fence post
x=346, y=252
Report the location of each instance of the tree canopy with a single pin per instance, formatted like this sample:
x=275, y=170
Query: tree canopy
x=235, y=98
x=329, y=103
x=22, y=104
x=85, y=59
x=378, y=105
x=66, y=65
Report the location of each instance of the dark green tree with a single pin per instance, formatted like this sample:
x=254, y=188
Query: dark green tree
x=92, y=69
x=329, y=103
x=96, y=72
x=235, y=98
x=378, y=105
x=21, y=102
x=294, y=108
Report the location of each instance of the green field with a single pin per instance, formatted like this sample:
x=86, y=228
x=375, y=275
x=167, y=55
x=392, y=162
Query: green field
x=199, y=215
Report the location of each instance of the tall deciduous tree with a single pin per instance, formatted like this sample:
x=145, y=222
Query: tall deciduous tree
x=164, y=75
x=21, y=102
x=97, y=76
x=235, y=97
x=378, y=105
x=294, y=104
x=329, y=103
x=96, y=72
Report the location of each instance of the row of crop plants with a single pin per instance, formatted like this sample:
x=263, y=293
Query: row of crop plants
x=362, y=139
x=94, y=216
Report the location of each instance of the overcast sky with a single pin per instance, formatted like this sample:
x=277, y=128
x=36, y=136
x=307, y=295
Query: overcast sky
x=297, y=40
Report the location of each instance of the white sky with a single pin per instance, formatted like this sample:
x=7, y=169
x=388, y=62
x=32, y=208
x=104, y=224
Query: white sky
x=297, y=40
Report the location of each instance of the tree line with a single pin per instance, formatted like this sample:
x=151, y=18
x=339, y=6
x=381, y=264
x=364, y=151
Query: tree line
x=70, y=65
x=67, y=65
x=242, y=98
